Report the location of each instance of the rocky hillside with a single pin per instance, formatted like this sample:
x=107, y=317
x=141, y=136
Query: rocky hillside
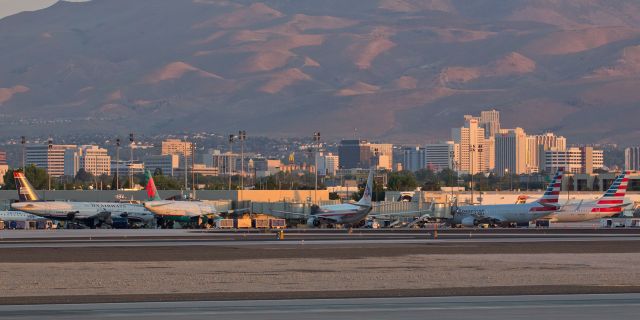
x=403, y=70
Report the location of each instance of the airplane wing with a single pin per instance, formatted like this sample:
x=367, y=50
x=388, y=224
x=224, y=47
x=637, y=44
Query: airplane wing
x=239, y=211
x=548, y=205
x=282, y=213
x=104, y=216
x=326, y=220
x=397, y=214
x=160, y=204
x=494, y=219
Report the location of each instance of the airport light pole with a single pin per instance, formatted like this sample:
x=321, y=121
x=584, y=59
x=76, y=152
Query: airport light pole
x=480, y=167
x=117, y=163
x=472, y=149
x=23, y=141
x=231, y=140
x=48, y=169
x=186, y=168
x=242, y=136
x=193, y=175
x=510, y=180
x=316, y=142
x=131, y=140
x=451, y=156
x=506, y=173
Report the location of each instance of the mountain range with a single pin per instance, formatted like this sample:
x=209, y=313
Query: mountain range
x=396, y=70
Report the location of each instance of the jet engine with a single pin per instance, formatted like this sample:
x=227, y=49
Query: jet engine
x=469, y=222
x=313, y=222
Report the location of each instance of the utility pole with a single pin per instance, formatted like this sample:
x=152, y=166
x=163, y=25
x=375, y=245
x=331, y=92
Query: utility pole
x=131, y=140
x=48, y=164
x=23, y=141
x=316, y=142
x=117, y=163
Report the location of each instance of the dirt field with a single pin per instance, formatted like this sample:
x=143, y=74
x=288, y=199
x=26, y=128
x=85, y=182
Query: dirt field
x=174, y=273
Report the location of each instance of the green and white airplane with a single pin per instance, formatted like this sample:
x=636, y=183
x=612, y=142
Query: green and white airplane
x=169, y=211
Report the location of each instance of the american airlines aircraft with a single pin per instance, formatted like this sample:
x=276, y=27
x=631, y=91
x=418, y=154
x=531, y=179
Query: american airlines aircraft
x=610, y=204
x=502, y=214
x=345, y=214
x=91, y=214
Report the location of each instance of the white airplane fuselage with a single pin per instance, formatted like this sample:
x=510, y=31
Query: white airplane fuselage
x=63, y=210
x=17, y=216
x=345, y=213
x=504, y=213
x=170, y=208
x=582, y=211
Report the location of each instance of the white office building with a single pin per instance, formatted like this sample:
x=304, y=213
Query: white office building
x=50, y=159
x=472, y=147
x=511, y=152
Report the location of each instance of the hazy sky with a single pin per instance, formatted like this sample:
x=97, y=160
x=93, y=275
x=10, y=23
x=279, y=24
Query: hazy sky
x=9, y=7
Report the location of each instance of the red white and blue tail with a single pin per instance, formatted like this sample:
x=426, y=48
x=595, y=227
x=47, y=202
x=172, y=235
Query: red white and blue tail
x=552, y=194
x=613, y=200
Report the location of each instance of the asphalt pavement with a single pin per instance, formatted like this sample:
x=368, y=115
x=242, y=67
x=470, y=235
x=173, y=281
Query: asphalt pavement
x=584, y=307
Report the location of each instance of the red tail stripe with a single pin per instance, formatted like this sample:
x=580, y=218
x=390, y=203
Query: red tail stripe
x=608, y=210
x=610, y=201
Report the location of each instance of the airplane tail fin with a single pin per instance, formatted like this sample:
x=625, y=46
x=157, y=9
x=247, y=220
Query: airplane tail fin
x=614, y=197
x=552, y=194
x=152, y=192
x=368, y=191
x=26, y=192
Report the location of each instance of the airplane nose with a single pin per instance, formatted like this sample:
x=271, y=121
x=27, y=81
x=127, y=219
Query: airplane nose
x=16, y=205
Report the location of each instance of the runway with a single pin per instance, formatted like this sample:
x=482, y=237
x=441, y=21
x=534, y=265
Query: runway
x=584, y=307
x=292, y=242
x=95, y=266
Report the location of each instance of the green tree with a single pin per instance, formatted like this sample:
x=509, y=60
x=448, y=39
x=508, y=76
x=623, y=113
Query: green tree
x=37, y=176
x=84, y=176
x=402, y=181
x=165, y=183
x=448, y=177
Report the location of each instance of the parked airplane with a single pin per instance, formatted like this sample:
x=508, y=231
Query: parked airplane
x=169, y=211
x=504, y=214
x=91, y=214
x=17, y=216
x=345, y=214
x=610, y=204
